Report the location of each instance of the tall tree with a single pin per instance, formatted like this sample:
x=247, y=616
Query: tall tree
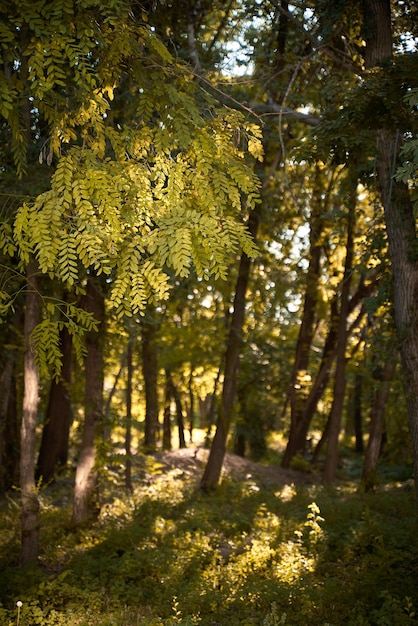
x=212, y=472
x=331, y=461
x=144, y=172
x=383, y=376
x=86, y=504
x=53, y=451
x=149, y=328
x=29, y=495
x=399, y=218
x=128, y=428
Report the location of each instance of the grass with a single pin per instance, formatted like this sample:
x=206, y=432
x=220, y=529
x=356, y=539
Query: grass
x=168, y=554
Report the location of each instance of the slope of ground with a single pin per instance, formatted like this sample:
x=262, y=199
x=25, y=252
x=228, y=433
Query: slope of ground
x=192, y=461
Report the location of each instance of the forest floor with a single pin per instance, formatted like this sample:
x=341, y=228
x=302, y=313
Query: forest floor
x=192, y=461
x=271, y=546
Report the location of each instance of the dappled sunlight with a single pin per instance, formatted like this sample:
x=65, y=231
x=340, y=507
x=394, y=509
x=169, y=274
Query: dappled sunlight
x=286, y=493
x=247, y=552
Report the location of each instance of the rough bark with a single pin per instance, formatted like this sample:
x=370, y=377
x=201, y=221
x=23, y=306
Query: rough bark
x=400, y=224
x=86, y=505
x=53, y=452
x=29, y=496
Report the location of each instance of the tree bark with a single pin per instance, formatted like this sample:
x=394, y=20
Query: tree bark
x=191, y=409
x=179, y=410
x=128, y=432
x=9, y=426
x=29, y=496
x=167, y=415
x=357, y=414
x=298, y=385
x=212, y=472
x=400, y=224
x=321, y=380
x=331, y=460
x=374, y=444
x=150, y=375
x=86, y=505
x=53, y=452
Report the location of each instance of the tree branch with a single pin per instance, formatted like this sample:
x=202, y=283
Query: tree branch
x=335, y=55
x=272, y=108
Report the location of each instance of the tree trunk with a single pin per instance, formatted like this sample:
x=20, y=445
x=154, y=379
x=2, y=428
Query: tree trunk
x=179, y=410
x=191, y=404
x=150, y=375
x=128, y=432
x=107, y=415
x=9, y=427
x=297, y=444
x=358, y=414
x=297, y=437
x=167, y=416
x=400, y=224
x=212, y=472
x=300, y=379
x=53, y=452
x=86, y=501
x=30, y=502
x=331, y=460
x=374, y=444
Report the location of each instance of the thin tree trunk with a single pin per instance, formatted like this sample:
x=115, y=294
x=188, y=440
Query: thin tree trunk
x=297, y=444
x=86, y=500
x=331, y=460
x=128, y=433
x=374, y=444
x=107, y=412
x=179, y=410
x=358, y=414
x=212, y=472
x=299, y=377
x=9, y=428
x=167, y=415
x=297, y=437
x=53, y=451
x=150, y=375
x=212, y=408
x=191, y=404
x=29, y=496
x=400, y=224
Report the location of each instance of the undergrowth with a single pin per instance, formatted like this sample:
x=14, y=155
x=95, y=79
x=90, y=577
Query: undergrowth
x=247, y=555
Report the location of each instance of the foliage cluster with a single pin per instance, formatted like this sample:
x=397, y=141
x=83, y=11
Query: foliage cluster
x=249, y=554
x=146, y=176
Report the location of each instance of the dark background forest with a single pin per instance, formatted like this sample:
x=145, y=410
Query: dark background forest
x=208, y=250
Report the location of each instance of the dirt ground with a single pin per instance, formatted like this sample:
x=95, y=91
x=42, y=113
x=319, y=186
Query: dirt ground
x=192, y=461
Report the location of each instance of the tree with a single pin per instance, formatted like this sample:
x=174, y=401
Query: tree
x=53, y=451
x=86, y=504
x=146, y=173
x=149, y=334
x=30, y=502
x=335, y=417
x=399, y=219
